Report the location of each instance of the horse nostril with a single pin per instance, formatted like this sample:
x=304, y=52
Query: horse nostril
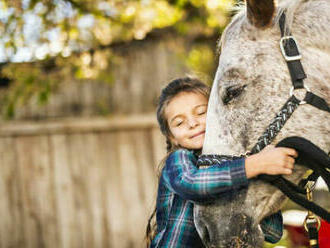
x=207, y=237
x=204, y=233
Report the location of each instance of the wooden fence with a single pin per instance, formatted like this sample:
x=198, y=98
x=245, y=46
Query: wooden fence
x=79, y=182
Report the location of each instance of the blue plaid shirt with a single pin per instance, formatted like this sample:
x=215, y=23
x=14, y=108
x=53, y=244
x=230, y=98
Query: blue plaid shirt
x=181, y=183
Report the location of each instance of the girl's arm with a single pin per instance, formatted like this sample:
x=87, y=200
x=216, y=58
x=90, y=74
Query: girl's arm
x=185, y=179
x=272, y=227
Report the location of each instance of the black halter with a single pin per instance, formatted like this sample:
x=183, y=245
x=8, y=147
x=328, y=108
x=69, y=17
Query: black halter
x=292, y=56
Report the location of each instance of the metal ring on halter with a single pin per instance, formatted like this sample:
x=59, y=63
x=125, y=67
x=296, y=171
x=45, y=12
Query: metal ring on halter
x=315, y=219
x=293, y=89
x=310, y=185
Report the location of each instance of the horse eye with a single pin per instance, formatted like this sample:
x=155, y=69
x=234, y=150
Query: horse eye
x=232, y=92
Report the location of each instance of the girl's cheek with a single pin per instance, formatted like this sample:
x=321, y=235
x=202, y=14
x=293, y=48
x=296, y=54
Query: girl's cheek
x=175, y=133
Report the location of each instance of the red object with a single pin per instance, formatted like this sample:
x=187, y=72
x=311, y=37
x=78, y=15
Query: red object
x=324, y=234
x=299, y=237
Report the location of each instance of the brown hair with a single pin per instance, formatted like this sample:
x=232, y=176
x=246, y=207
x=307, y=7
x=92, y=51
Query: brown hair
x=175, y=87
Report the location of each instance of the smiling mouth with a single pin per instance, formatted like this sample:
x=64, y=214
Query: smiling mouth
x=197, y=134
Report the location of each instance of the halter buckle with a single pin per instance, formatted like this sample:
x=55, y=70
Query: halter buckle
x=301, y=101
x=311, y=219
x=288, y=57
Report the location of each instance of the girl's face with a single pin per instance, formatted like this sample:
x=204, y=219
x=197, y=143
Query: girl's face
x=186, y=117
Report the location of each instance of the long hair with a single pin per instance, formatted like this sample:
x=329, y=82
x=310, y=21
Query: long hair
x=175, y=87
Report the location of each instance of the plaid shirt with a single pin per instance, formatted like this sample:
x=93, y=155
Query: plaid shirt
x=181, y=183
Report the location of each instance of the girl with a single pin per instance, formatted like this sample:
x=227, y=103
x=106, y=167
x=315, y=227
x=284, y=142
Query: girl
x=181, y=114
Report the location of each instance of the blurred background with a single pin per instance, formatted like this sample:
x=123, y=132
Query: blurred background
x=79, y=141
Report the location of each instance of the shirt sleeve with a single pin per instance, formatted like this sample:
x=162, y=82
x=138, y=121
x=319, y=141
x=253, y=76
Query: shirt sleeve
x=272, y=227
x=184, y=178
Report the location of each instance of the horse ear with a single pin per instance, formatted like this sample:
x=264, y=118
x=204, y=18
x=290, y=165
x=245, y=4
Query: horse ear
x=260, y=12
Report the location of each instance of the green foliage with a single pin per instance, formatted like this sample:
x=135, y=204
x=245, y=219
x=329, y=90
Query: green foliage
x=38, y=80
x=30, y=82
x=64, y=26
x=201, y=60
x=73, y=38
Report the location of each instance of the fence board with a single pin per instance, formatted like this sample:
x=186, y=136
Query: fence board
x=158, y=145
x=80, y=168
x=130, y=185
x=146, y=170
x=116, y=206
x=83, y=125
x=107, y=165
x=77, y=183
x=64, y=193
x=10, y=197
x=94, y=187
x=39, y=217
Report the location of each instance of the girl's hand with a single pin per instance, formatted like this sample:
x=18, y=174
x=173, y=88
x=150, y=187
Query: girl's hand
x=271, y=161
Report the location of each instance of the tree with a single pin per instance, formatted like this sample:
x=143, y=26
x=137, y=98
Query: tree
x=35, y=29
x=59, y=30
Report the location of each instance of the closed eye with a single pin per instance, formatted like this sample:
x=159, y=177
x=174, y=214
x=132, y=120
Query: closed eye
x=231, y=93
x=201, y=109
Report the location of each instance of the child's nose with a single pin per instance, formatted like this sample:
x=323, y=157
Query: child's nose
x=192, y=122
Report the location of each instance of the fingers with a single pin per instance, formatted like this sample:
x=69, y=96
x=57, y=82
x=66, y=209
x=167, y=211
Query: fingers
x=276, y=161
x=287, y=171
x=287, y=151
x=288, y=165
x=289, y=162
x=291, y=152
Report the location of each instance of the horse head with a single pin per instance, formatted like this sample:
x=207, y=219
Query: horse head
x=252, y=83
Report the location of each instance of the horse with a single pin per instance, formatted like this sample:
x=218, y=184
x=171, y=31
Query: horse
x=251, y=84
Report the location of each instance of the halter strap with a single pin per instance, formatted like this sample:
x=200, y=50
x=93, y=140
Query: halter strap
x=317, y=101
x=292, y=56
